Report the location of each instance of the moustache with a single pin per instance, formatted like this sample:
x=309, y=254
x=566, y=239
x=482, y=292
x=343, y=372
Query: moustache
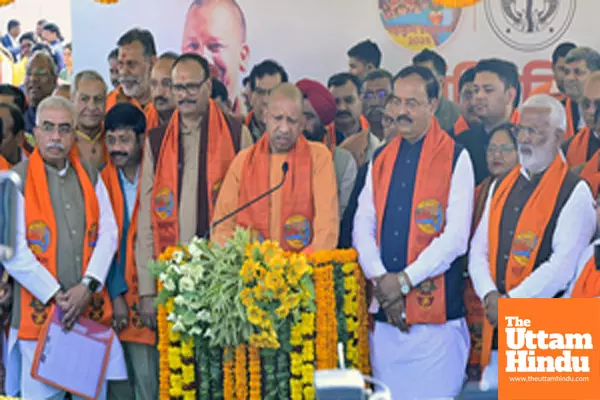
x=405, y=118
x=343, y=114
x=129, y=79
x=187, y=101
x=55, y=145
x=160, y=99
x=118, y=153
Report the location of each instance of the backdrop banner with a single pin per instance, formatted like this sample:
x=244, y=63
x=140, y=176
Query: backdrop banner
x=310, y=37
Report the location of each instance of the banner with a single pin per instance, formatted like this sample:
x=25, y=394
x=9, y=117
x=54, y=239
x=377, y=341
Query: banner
x=310, y=38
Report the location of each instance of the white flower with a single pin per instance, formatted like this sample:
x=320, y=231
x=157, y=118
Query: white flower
x=186, y=284
x=171, y=317
x=209, y=334
x=195, y=331
x=179, y=300
x=203, y=315
x=169, y=285
x=194, y=250
x=179, y=326
x=178, y=256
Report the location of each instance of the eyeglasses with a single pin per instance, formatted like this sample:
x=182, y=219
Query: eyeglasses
x=191, y=88
x=49, y=128
x=380, y=94
x=502, y=149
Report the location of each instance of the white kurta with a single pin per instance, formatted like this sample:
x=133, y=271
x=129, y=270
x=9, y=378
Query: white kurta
x=575, y=227
x=33, y=276
x=429, y=361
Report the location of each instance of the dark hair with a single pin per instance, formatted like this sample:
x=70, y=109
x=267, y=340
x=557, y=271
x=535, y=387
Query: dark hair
x=467, y=77
x=439, y=64
x=266, y=67
x=432, y=86
x=17, y=117
x=54, y=29
x=143, y=36
x=27, y=36
x=367, y=52
x=114, y=53
x=169, y=55
x=219, y=90
x=506, y=71
x=246, y=80
x=44, y=48
x=510, y=128
x=125, y=116
x=194, y=57
x=14, y=91
x=378, y=74
x=42, y=22
x=13, y=23
x=561, y=51
x=68, y=46
x=342, y=78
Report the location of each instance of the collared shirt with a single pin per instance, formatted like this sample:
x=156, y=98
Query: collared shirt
x=129, y=189
x=436, y=258
x=35, y=277
x=575, y=227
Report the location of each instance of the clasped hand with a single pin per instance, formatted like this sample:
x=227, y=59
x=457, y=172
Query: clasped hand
x=73, y=303
x=388, y=294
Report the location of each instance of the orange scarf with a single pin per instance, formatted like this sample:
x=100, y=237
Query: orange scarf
x=165, y=191
x=460, y=126
x=297, y=212
x=578, y=148
x=330, y=139
x=4, y=165
x=528, y=234
x=42, y=240
x=588, y=282
x=152, y=119
x=136, y=332
x=570, y=127
x=117, y=96
x=427, y=303
x=591, y=173
x=249, y=117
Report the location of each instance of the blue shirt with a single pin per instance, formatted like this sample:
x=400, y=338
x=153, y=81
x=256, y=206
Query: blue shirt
x=115, y=281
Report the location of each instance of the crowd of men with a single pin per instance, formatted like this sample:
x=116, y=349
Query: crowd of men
x=451, y=206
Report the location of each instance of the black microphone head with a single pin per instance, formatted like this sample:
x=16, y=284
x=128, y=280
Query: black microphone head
x=284, y=167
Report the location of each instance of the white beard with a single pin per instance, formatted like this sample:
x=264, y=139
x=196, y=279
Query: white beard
x=540, y=157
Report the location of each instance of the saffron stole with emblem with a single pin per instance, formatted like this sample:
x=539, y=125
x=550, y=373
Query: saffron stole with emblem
x=530, y=230
x=297, y=208
x=426, y=303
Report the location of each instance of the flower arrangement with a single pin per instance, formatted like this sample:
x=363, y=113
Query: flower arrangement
x=256, y=321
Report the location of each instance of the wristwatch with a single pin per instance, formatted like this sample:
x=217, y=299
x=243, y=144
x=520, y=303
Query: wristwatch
x=90, y=283
x=404, y=284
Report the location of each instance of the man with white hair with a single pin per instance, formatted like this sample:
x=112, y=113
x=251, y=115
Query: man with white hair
x=66, y=237
x=89, y=97
x=536, y=222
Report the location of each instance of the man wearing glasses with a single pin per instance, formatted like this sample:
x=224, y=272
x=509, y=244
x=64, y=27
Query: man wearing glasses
x=377, y=86
x=66, y=237
x=40, y=81
x=183, y=167
x=413, y=222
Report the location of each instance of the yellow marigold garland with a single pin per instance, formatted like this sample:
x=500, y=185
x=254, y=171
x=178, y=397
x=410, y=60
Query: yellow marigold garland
x=228, y=375
x=188, y=369
x=326, y=323
x=362, y=348
x=163, y=350
x=255, y=375
x=351, y=312
x=241, y=373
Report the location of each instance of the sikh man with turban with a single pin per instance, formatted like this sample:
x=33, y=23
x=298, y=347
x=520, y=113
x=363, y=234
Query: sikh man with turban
x=319, y=111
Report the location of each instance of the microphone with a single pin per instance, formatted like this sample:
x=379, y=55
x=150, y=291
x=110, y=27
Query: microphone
x=284, y=170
